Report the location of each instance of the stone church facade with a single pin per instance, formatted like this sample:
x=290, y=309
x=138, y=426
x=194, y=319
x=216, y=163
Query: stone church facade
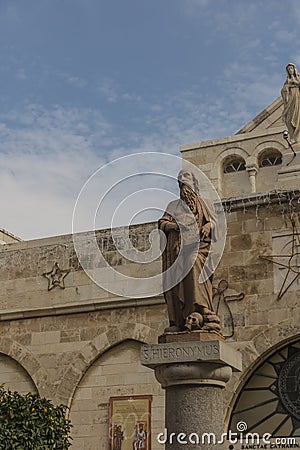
x=73, y=342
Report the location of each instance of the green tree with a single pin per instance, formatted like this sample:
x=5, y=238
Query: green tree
x=29, y=422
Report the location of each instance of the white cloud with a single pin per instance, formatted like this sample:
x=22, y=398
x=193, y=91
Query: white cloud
x=47, y=154
x=44, y=162
x=254, y=87
x=112, y=92
x=108, y=88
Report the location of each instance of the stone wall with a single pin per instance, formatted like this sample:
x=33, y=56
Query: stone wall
x=7, y=238
x=13, y=375
x=268, y=314
x=252, y=146
x=25, y=289
x=79, y=345
x=117, y=373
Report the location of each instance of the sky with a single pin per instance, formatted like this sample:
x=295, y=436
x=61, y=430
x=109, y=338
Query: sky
x=84, y=82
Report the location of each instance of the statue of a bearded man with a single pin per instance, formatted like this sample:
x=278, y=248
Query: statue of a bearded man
x=189, y=225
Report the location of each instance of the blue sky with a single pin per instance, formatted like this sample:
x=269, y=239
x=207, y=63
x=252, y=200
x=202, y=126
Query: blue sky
x=86, y=81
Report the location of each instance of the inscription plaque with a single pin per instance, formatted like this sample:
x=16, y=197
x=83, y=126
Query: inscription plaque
x=210, y=351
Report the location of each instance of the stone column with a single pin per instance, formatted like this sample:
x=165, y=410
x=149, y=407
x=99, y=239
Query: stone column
x=252, y=169
x=193, y=375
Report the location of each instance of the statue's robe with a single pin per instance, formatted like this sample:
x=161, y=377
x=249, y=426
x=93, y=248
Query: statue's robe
x=291, y=107
x=184, y=295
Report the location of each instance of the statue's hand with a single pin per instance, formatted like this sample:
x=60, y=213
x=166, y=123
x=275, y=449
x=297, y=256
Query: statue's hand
x=171, y=226
x=183, y=227
x=205, y=230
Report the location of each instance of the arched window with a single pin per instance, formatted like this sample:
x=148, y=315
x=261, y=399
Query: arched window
x=234, y=164
x=271, y=157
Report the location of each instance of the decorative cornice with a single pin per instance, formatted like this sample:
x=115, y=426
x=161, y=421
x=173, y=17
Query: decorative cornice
x=79, y=308
x=260, y=199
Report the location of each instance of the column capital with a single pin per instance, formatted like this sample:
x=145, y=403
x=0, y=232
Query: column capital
x=252, y=164
x=186, y=363
x=196, y=373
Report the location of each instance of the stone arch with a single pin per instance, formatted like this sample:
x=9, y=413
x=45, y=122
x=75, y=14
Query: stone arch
x=94, y=349
x=119, y=373
x=217, y=170
x=255, y=352
x=269, y=145
x=267, y=174
x=27, y=361
x=225, y=154
x=269, y=154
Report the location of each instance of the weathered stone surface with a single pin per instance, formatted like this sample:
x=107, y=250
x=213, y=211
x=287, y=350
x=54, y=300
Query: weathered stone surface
x=218, y=352
x=240, y=242
x=76, y=345
x=201, y=335
x=193, y=402
x=67, y=335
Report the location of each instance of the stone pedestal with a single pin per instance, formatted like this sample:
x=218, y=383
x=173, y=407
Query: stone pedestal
x=193, y=375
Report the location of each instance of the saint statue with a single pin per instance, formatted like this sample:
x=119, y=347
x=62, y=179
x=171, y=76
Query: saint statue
x=290, y=94
x=189, y=225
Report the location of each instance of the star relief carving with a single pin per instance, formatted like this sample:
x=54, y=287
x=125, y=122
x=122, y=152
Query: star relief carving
x=56, y=277
x=289, y=262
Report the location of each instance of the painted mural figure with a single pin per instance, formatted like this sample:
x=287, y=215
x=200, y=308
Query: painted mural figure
x=118, y=436
x=190, y=223
x=140, y=437
x=291, y=102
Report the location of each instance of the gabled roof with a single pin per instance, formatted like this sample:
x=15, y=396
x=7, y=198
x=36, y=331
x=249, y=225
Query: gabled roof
x=270, y=117
x=8, y=238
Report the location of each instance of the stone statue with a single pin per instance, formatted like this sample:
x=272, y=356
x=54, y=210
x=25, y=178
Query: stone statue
x=291, y=102
x=189, y=225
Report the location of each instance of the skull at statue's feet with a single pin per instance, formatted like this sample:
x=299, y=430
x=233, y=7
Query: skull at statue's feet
x=194, y=321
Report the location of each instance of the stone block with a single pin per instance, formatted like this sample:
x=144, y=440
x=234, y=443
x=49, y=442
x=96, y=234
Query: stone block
x=265, y=304
x=234, y=228
x=232, y=259
x=70, y=336
x=255, y=318
x=51, y=337
x=241, y=242
x=238, y=321
x=250, y=272
x=114, y=335
x=183, y=336
x=246, y=333
x=181, y=352
x=279, y=315
x=101, y=342
x=231, y=217
x=88, y=334
x=253, y=225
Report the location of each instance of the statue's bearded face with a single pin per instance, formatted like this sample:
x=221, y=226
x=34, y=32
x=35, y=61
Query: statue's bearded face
x=187, y=187
x=185, y=177
x=188, y=195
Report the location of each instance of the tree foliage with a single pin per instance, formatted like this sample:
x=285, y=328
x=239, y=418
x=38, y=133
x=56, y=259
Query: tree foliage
x=29, y=422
